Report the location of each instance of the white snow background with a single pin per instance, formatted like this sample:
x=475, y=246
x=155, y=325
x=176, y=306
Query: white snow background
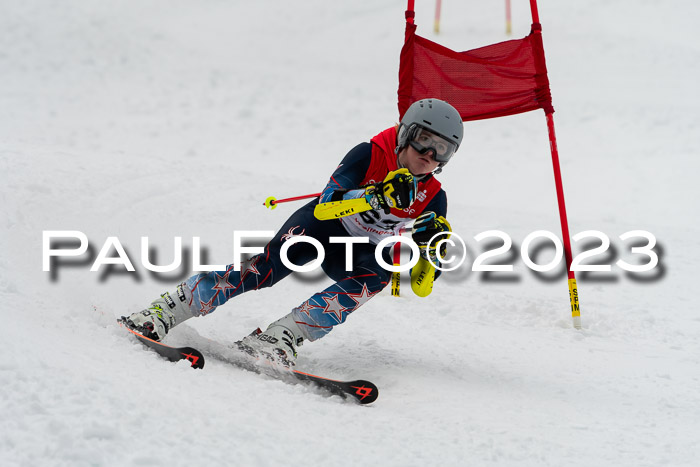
x=178, y=118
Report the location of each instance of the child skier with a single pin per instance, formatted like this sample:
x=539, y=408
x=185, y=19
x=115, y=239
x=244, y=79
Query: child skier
x=429, y=134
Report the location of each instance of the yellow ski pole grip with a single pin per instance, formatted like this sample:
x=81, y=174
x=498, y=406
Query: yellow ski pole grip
x=422, y=278
x=337, y=209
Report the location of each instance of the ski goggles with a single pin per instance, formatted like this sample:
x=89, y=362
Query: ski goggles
x=424, y=140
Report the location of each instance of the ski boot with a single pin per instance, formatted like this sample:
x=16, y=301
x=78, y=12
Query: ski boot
x=277, y=344
x=161, y=316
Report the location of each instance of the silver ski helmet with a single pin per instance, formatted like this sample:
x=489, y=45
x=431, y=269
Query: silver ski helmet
x=440, y=119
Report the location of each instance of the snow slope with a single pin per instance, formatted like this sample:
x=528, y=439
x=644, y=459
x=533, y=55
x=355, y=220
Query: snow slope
x=174, y=118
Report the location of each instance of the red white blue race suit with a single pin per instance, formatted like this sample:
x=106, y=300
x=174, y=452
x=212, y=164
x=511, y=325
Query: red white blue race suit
x=366, y=164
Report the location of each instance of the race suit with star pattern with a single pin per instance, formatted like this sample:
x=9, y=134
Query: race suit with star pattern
x=365, y=164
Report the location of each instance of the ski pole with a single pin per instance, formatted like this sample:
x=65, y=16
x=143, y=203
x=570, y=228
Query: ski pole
x=396, y=276
x=272, y=202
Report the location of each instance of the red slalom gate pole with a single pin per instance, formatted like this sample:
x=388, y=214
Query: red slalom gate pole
x=533, y=10
x=573, y=289
x=436, y=25
x=509, y=27
x=410, y=11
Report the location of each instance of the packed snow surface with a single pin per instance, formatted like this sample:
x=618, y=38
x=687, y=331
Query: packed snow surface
x=177, y=119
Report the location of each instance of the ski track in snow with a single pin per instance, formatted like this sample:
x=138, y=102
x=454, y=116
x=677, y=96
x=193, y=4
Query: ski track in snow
x=177, y=118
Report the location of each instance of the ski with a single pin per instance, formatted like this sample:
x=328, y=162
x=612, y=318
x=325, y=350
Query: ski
x=362, y=391
x=174, y=354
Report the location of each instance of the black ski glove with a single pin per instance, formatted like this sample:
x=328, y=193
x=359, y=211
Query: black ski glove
x=398, y=190
x=427, y=226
